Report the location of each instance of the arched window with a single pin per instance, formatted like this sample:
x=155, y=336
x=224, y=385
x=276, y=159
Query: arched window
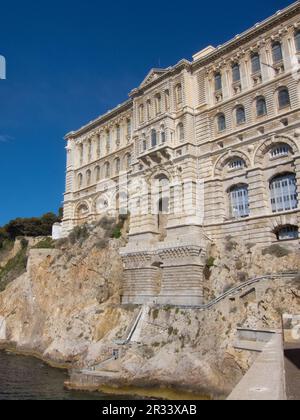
x=279, y=150
x=128, y=161
x=88, y=177
x=148, y=109
x=283, y=98
x=118, y=166
x=180, y=132
x=221, y=122
x=236, y=163
x=153, y=138
x=178, y=94
x=218, y=81
x=255, y=63
x=89, y=150
x=107, y=170
x=236, y=73
x=240, y=115
x=261, y=106
x=81, y=154
x=141, y=113
x=80, y=180
x=283, y=189
x=297, y=41
x=129, y=128
x=98, y=140
x=277, y=52
x=288, y=232
x=158, y=104
x=167, y=99
x=97, y=173
x=108, y=141
x=239, y=201
x=118, y=135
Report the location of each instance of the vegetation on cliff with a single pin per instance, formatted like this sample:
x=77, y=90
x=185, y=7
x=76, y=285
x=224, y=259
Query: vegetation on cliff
x=15, y=266
x=67, y=309
x=31, y=227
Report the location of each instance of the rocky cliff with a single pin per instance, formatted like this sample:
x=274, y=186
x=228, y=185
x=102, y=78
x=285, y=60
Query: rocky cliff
x=66, y=309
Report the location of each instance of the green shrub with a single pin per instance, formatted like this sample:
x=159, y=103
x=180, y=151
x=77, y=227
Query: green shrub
x=228, y=287
x=107, y=223
x=24, y=242
x=14, y=268
x=79, y=234
x=210, y=262
x=242, y=276
x=116, y=234
x=155, y=314
x=112, y=228
x=102, y=243
x=6, y=244
x=122, y=219
x=238, y=265
x=230, y=244
x=46, y=243
x=62, y=242
x=32, y=227
x=276, y=251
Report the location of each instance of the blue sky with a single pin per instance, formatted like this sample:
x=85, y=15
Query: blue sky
x=69, y=61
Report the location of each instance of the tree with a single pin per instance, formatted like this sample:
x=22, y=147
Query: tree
x=33, y=226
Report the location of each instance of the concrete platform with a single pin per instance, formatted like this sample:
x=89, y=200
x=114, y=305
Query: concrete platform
x=265, y=380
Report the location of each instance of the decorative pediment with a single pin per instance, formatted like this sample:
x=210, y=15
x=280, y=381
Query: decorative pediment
x=152, y=75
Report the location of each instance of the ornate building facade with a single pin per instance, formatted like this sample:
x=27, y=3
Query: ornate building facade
x=221, y=132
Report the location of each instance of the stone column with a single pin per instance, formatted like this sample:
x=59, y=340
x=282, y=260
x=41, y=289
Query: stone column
x=141, y=277
x=297, y=173
x=182, y=275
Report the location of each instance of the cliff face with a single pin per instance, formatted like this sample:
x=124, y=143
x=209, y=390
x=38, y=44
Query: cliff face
x=66, y=308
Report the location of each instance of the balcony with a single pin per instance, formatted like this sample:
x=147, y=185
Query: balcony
x=157, y=155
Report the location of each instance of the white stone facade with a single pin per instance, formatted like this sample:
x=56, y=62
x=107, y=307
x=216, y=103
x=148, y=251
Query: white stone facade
x=229, y=119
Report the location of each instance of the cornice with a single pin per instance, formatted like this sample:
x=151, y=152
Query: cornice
x=125, y=106
x=250, y=34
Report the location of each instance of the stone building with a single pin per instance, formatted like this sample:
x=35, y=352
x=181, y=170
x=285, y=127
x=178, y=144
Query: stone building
x=202, y=150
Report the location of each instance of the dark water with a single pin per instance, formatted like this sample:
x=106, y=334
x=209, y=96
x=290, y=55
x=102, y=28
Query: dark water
x=26, y=378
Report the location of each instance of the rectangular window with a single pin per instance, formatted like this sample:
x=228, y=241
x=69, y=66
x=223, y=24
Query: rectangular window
x=239, y=202
x=129, y=127
x=255, y=62
x=284, y=193
x=236, y=74
x=277, y=52
x=218, y=82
